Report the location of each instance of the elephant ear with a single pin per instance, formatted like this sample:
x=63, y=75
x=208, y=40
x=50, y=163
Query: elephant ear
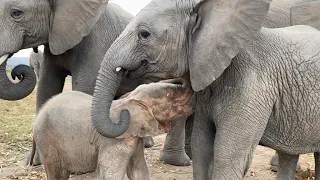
x=306, y=14
x=142, y=121
x=221, y=28
x=71, y=21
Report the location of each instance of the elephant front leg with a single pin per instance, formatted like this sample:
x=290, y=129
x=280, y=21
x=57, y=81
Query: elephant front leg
x=137, y=168
x=114, y=156
x=233, y=152
x=173, y=151
x=287, y=166
x=51, y=82
x=202, y=141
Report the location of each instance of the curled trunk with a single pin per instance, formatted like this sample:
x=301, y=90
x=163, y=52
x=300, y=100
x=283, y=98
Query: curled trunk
x=107, y=84
x=16, y=91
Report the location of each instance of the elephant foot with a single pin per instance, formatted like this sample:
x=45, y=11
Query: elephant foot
x=148, y=142
x=274, y=162
x=177, y=158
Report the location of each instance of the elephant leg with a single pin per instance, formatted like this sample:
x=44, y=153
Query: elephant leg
x=202, y=141
x=232, y=155
x=317, y=164
x=114, y=156
x=52, y=165
x=51, y=80
x=287, y=166
x=173, y=151
x=137, y=167
x=275, y=161
x=188, y=134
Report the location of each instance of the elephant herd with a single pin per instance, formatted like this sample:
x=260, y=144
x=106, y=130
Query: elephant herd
x=252, y=67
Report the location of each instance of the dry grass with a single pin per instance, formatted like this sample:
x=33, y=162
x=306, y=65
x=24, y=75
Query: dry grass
x=16, y=121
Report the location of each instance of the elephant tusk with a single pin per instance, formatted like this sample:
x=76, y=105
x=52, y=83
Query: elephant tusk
x=118, y=69
x=3, y=58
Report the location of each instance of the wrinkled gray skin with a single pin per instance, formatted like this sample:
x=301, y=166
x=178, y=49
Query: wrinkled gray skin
x=68, y=50
x=282, y=13
x=35, y=61
x=56, y=138
x=251, y=83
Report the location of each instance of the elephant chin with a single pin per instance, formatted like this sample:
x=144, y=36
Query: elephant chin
x=15, y=91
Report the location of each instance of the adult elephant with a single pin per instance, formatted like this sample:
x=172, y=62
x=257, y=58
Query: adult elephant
x=170, y=38
x=282, y=13
x=35, y=61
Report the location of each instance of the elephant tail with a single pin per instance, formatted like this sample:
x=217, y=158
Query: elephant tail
x=32, y=154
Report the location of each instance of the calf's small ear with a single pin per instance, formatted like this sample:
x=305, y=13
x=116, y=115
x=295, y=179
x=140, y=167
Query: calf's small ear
x=142, y=121
x=221, y=28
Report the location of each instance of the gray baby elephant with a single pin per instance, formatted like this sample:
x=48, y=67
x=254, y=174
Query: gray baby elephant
x=68, y=142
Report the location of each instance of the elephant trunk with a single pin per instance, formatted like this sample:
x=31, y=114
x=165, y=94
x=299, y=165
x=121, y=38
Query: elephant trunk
x=107, y=83
x=16, y=91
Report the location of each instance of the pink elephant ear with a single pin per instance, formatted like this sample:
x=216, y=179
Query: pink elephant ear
x=142, y=121
x=72, y=20
x=306, y=14
x=221, y=29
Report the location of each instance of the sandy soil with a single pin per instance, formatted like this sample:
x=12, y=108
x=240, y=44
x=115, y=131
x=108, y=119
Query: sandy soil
x=260, y=168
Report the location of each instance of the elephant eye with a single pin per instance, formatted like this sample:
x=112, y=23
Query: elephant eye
x=16, y=13
x=144, y=34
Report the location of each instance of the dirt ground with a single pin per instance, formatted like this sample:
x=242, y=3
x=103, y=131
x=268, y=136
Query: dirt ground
x=260, y=168
x=16, y=121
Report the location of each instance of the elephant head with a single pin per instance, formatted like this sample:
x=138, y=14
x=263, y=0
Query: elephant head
x=60, y=24
x=153, y=104
x=169, y=38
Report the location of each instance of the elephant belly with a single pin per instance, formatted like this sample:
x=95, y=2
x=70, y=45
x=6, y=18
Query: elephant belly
x=293, y=136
